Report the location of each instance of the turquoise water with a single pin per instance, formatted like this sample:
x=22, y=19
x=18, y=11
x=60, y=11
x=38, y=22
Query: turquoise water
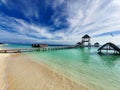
x=84, y=65
x=13, y=46
x=102, y=72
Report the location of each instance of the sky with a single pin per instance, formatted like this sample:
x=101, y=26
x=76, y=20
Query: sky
x=59, y=21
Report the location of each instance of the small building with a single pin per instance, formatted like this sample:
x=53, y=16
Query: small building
x=109, y=47
x=79, y=43
x=96, y=44
x=39, y=45
x=86, y=39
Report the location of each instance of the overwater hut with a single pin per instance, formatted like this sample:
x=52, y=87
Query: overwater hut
x=109, y=47
x=86, y=39
x=96, y=44
x=39, y=45
x=79, y=44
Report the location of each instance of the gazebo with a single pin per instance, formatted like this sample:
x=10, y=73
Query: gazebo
x=109, y=47
x=96, y=44
x=79, y=43
x=39, y=45
x=86, y=39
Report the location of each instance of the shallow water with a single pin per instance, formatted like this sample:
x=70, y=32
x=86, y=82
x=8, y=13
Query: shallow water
x=13, y=46
x=85, y=66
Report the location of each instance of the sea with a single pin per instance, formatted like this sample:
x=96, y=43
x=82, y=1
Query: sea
x=83, y=65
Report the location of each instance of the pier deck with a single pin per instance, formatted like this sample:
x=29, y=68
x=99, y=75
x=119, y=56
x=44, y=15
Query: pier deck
x=20, y=50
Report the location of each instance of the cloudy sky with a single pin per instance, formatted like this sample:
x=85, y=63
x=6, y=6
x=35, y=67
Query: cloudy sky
x=59, y=21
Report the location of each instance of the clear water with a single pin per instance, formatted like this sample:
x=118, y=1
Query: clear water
x=13, y=46
x=101, y=72
x=85, y=66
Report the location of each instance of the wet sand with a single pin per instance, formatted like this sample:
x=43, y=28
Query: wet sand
x=25, y=74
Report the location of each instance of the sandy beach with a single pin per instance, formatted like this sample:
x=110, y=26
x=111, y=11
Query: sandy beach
x=3, y=82
x=25, y=74
x=19, y=72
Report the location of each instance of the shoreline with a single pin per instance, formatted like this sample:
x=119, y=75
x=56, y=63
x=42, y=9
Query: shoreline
x=61, y=74
x=36, y=76
x=9, y=76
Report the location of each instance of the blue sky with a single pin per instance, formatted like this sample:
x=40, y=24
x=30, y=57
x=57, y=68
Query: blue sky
x=59, y=21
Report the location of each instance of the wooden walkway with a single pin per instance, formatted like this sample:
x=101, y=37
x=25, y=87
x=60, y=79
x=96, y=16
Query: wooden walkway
x=35, y=49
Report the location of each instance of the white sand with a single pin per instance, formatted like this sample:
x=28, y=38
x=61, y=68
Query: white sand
x=2, y=71
x=20, y=73
x=24, y=74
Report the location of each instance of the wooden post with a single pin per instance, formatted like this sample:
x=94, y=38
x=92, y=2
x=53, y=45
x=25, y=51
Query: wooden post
x=5, y=51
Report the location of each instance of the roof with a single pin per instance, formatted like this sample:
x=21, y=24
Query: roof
x=86, y=36
x=96, y=43
x=111, y=45
x=79, y=43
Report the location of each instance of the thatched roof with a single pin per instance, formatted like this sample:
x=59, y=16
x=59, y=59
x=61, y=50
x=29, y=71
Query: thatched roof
x=39, y=45
x=96, y=43
x=79, y=43
x=111, y=45
x=86, y=36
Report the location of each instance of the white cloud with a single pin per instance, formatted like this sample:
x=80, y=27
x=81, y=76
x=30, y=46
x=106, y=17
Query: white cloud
x=92, y=17
x=4, y=1
x=116, y=2
x=20, y=27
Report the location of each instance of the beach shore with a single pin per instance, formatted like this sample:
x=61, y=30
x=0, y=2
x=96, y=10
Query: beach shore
x=25, y=74
x=3, y=82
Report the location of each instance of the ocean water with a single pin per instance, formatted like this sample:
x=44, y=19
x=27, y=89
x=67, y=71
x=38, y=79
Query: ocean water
x=84, y=65
x=14, y=46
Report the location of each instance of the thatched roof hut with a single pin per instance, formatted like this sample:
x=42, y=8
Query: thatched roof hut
x=39, y=45
x=96, y=44
x=79, y=43
x=86, y=40
x=110, y=46
x=86, y=36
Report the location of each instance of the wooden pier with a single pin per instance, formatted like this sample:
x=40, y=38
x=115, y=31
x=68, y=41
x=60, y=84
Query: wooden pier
x=35, y=49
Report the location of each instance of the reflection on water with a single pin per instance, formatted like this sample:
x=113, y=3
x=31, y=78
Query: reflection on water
x=85, y=54
x=109, y=60
x=85, y=66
